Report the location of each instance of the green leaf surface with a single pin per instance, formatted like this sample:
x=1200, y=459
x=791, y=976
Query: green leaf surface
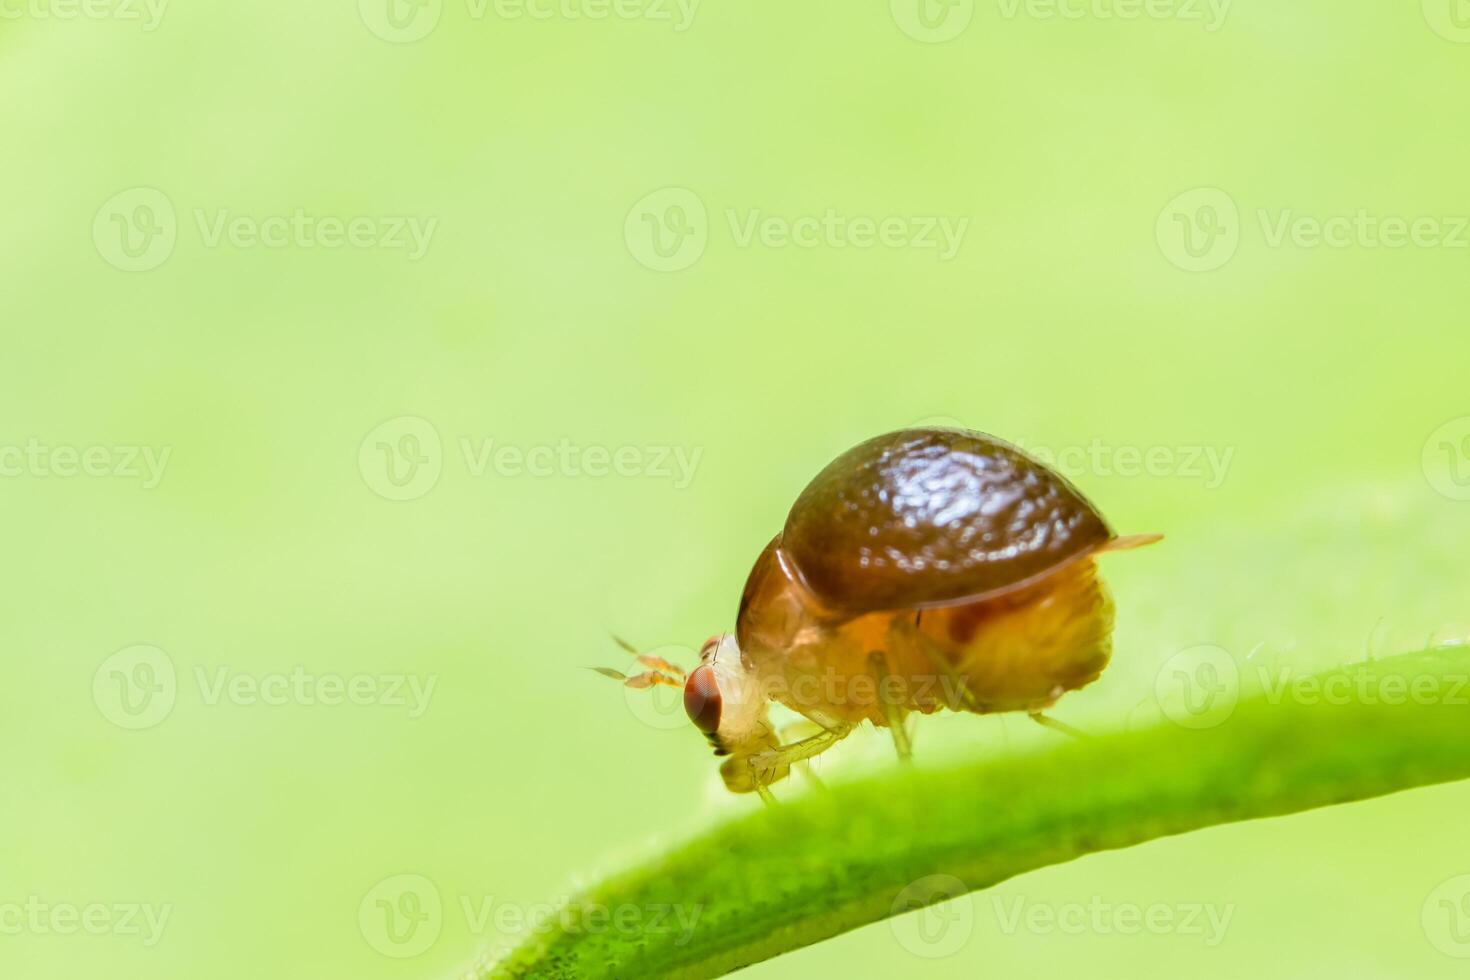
x=827, y=862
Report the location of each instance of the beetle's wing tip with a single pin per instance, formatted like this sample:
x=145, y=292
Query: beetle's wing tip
x=1128, y=542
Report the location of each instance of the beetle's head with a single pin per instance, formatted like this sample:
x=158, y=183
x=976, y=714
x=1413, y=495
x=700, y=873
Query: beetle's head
x=724, y=701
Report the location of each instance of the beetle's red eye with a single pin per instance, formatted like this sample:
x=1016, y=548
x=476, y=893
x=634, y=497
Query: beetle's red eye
x=702, y=699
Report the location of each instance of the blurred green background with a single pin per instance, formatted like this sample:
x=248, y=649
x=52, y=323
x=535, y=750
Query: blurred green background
x=209, y=265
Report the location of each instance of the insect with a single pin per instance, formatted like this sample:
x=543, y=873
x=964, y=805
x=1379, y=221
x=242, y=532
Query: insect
x=922, y=570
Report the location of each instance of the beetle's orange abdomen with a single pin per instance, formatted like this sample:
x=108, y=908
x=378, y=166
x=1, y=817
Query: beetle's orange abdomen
x=1021, y=651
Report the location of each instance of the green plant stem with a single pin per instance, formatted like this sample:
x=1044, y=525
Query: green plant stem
x=792, y=875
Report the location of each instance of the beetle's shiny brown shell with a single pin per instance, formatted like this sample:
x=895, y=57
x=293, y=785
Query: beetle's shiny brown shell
x=928, y=517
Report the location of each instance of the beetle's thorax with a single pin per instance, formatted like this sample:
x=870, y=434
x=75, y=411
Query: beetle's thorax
x=777, y=612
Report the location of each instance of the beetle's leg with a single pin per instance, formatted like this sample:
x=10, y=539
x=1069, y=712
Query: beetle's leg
x=799, y=730
x=957, y=686
x=1045, y=721
x=892, y=710
x=763, y=764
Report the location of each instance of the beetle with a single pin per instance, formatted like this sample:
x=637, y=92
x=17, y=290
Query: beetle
x=923, y=570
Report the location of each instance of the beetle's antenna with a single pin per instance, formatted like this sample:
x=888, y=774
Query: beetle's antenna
x=661, y=665
x=640, y=681
x=648, y=659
